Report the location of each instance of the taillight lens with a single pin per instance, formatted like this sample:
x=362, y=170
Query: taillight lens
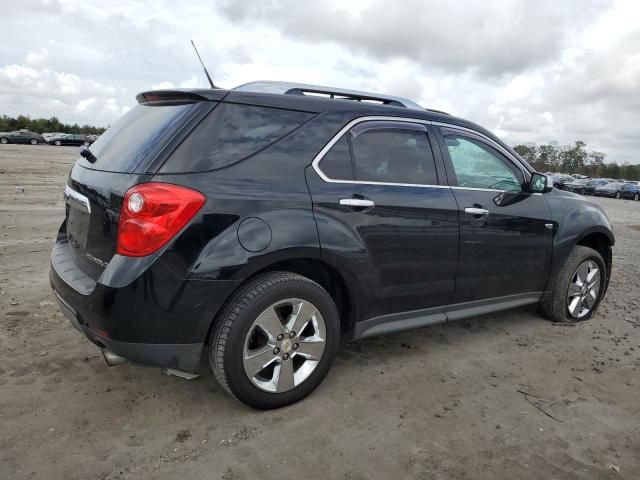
x=152, y=214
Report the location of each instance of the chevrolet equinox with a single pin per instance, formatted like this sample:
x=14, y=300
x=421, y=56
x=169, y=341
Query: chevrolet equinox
x=260, y=225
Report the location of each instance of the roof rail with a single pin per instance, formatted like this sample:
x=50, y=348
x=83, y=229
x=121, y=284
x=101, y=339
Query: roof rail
x=289, y=88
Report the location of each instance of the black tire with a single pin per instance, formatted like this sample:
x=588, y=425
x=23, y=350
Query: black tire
x=58, y=143
x=4, y=140
x=636, y=197
x=554, y=307
x=33, y=141
x=618, y=196
x=581, y=192
x=233, y=325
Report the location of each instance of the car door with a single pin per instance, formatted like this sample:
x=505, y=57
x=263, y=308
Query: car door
x=384, y=216
x=505, y=230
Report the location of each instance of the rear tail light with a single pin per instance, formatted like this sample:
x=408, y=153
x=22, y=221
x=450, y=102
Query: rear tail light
x=152, y=214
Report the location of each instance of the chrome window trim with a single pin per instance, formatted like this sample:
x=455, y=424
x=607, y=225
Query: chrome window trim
x=315, y=164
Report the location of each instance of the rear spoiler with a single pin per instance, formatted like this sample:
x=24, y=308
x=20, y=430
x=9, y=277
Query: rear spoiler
x=183, y=95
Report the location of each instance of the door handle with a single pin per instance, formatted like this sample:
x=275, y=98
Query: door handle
x=482, y=212
x=357, y=202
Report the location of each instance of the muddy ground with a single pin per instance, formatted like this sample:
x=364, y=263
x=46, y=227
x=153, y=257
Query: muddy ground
x=499, y=396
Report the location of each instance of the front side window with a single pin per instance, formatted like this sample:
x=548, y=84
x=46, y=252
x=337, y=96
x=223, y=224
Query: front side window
x=393, y=155
x=479, y=166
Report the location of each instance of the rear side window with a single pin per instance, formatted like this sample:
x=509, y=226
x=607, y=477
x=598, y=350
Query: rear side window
x=336, y=164
x=394, y=155
x=136, y=136
x=230, y=133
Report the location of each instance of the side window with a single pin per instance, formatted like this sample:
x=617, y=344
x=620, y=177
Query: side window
x=231, y=133
x=393, y=155
x=479, y=166
x=336, y=164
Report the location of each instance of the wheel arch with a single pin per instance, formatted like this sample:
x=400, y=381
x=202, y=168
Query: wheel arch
x=321, y=272
x=602, y=241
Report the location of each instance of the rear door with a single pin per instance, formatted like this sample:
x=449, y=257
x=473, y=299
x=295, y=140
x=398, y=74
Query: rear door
x=505, y=231
x=383, y=215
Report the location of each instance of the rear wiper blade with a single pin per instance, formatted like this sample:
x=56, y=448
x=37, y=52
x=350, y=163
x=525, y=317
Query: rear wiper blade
x=86, y=153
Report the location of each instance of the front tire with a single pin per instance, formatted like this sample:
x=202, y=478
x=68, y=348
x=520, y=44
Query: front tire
x=618, y=196
x=578, y=288
x=636, y=197
x=275, y=340
x=4, y=140
x=33, y=141
x=58, y=143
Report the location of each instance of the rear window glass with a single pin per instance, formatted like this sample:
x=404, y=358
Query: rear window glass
x=139, y=134
x=231, y=133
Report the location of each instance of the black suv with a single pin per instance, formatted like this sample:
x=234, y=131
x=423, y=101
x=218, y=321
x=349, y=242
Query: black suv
x=262, y=224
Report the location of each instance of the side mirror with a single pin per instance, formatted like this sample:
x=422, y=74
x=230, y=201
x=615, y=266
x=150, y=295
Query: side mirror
x=539, y=183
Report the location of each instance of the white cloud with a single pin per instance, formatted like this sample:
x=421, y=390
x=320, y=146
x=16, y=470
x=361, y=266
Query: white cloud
x=530, y=71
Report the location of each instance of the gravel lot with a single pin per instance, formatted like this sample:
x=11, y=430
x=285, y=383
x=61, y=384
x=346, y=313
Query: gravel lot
x=499, y=396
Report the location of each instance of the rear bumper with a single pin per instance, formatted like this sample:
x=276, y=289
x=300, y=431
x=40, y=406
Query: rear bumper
x=185, y=357
x=157, y=319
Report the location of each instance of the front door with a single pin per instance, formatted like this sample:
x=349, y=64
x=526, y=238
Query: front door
x=505, y=230
x=383, y=215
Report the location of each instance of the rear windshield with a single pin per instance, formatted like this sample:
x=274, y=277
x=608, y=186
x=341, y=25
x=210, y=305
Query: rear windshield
x=138, y=135
x=232, y=132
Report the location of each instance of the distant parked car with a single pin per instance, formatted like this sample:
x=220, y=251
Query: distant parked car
x=613, y=190
x=631, y=191
x=559, y=181
x=577, y=186
x=21, y=136
x=70, y=139
x=591, y=186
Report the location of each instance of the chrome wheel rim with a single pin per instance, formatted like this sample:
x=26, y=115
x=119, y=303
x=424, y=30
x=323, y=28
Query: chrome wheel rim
x=284, y=345
x=583, y=289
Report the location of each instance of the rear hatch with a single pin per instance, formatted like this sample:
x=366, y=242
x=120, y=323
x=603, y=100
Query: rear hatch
x=125, y=155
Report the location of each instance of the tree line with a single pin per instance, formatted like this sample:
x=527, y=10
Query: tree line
x=574, y=158
x=42, y=125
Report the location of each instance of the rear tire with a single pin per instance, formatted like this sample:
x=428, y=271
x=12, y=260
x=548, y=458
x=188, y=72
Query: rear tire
x=618, y=196
x=4, y=140
x=636, y=197
x=33, y=141
x=257, y=355
x=58, y=143
x=569, y=301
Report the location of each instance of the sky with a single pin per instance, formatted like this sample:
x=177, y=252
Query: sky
x=528, y=70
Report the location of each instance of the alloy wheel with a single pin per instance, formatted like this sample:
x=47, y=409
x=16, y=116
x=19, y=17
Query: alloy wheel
x=284, y=345
x=618, y=195
x=4, y=141
x=636, y=197
x=583, y=289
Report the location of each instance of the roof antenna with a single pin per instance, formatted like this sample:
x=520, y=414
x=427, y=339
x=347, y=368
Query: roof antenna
x=202, y=63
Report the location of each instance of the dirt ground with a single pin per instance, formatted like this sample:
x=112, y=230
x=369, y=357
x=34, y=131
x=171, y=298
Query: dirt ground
x=499, y=396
